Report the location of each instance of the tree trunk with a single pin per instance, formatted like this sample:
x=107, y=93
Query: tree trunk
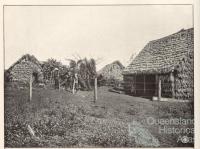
x=88, y=83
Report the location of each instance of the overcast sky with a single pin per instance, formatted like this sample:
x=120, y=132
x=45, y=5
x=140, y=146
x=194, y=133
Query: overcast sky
x=107, y=32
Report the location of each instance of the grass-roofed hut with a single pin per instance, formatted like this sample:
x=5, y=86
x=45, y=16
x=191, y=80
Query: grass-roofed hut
x=164, y=68
x=22, y=69
x=111, y=73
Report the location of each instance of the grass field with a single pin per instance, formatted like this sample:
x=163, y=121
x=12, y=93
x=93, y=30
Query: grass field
x=61, y=119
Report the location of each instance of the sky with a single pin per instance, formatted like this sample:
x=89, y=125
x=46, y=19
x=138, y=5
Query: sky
x=105, y=33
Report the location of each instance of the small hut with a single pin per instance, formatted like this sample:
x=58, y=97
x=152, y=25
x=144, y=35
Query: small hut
x=113, y=70
x=26, y=66
x=164, y=68
x=111, y=73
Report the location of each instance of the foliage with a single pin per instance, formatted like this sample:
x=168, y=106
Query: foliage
x=6, y=76
x=101, y=80
x=61, y=119
x=59, y=125
x=86, y=71
x=50, y=65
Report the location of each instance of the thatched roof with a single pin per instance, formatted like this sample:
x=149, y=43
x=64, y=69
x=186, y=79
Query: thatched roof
x=162, y=55
x=112, y=70
x=28, y=57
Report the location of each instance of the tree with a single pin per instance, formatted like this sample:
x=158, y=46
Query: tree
x=90, y=71
x=86, y=71
x=49, y=65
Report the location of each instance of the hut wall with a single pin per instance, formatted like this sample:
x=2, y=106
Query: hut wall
x=184, y=84
x=22, y=71
x=129, y=84
x=166, y=88
x=184, y=77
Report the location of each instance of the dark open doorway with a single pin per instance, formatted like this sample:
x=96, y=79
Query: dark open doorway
x=35, y=77
x=145, y=85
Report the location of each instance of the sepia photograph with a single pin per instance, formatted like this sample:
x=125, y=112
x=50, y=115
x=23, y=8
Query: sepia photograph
x=113, y=75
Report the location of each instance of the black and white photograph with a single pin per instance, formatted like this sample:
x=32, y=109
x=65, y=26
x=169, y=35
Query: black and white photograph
x=98, y=76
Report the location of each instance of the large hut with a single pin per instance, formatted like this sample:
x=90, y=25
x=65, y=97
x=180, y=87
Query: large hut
x=22, y=69
x=164, y=68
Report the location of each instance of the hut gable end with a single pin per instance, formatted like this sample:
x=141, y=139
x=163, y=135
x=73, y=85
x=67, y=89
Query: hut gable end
x=24, y=67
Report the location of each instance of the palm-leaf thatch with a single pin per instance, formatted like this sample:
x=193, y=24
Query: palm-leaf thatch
x=24, y=67
x=112, y=71
x=171, y=59
x=28, y=57
x=162, y=55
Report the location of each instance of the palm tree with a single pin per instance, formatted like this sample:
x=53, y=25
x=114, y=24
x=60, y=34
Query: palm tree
x=85, y=70
x=90, y=70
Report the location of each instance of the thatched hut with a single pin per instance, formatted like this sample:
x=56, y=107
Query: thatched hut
x=26, y=66
x=164, y=68
x=111, y=73
x=112, y=70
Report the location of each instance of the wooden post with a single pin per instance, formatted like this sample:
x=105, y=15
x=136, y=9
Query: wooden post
x=144, y=85
x=73, y=88
x=135, y=84
x=59, y=85
x=159, y=88
x=156, y=85
x=95, y=89
x=51, y=78
x=172, y=84
x=30, y=87
x=58, y=80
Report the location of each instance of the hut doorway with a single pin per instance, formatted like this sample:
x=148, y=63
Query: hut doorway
x=145, y=85
x=35, y=77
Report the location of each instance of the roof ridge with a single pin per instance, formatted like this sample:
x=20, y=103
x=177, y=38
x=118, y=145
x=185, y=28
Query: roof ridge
x=170, y=35
x=32, y=58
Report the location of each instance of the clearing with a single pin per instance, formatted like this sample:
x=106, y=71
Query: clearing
x=61, y=119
